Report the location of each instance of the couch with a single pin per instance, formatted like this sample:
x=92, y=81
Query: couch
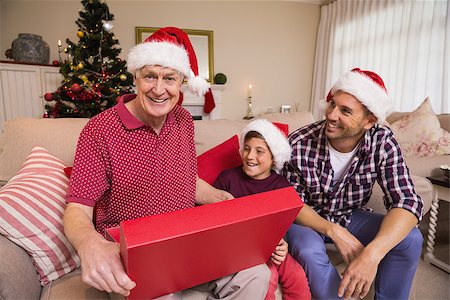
x=18, y=277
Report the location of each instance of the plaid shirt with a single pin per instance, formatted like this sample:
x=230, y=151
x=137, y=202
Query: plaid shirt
x=378, y=158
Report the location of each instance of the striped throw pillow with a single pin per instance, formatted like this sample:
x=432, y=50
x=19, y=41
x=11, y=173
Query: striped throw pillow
x=31, y=208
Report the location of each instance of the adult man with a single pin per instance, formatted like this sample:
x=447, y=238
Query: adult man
x=138, y=159
x=334, y=165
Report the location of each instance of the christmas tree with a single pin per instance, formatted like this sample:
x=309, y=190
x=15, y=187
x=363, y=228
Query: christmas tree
x=94, y=75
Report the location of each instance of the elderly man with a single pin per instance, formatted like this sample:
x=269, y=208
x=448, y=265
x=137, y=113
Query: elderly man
x=138, y=159
x=333, y=167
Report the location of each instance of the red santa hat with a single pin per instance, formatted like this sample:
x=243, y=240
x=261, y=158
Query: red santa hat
x=368, y=88
x=275, y=139
x=169, y=47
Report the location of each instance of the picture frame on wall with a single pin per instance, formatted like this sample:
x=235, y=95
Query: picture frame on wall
x=201, y=40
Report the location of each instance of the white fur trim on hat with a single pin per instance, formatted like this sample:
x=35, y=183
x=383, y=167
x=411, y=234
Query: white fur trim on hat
x=368, y=92
x=164, y=54
x=275, y=139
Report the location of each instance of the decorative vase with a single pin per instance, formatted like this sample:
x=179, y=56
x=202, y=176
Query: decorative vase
x=30, y=48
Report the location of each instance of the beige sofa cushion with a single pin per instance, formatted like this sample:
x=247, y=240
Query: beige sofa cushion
x=58, y=136
x=209, y=133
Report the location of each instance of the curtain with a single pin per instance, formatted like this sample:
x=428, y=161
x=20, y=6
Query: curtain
x=406, y=42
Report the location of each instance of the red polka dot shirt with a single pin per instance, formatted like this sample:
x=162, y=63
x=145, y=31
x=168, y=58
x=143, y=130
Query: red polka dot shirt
x=126, y=171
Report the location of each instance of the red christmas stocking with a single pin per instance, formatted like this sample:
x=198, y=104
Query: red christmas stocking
x=209, y=102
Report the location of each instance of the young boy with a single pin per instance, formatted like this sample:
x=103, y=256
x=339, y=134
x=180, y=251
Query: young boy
x=264, y=150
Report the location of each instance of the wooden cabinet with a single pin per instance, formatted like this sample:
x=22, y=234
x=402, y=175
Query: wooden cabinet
x=22, y=87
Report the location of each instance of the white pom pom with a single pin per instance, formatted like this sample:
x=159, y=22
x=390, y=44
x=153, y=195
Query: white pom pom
x=198, y=85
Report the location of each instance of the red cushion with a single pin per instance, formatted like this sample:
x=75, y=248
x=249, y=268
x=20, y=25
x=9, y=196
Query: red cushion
x=68, y=171
x=221, y=157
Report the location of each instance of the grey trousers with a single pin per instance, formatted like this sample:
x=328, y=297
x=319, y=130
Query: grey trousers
x=251, y=283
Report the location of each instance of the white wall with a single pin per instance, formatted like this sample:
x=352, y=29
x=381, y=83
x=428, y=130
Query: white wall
x=269, y=44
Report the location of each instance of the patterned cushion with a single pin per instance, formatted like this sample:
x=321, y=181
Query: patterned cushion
x=31, y=209
x=420, y=134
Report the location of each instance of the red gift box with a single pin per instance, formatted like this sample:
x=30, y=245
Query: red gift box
x=170, y=252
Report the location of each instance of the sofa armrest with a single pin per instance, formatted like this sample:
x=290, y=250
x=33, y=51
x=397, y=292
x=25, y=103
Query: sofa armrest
x=18, y=277
x=70, y=286
x=422, y=186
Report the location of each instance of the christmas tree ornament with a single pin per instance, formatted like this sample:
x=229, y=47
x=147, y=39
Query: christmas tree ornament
x=76, y=88
x=55, y=63
x=48, y=96
x=80, y=34
x=80, y=66
x=84, y=78
x=123, y=77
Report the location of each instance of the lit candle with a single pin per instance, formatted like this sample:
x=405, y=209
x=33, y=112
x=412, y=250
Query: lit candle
x=59, y=43
x=250, y=91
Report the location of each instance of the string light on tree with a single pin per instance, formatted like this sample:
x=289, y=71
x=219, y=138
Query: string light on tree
x=108, y=26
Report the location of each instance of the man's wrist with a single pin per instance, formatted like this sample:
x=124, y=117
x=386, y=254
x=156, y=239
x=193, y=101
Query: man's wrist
x=332, y=229
x=373, y=252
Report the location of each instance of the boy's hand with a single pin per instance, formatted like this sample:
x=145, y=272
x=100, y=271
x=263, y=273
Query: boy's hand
x=280, y=252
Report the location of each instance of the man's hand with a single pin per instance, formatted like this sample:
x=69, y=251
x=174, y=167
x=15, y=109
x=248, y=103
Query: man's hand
x=346, y=243
x=361, y=271
x=279, y=255
x=102, y=268
x=358, y=276
x=206, y=193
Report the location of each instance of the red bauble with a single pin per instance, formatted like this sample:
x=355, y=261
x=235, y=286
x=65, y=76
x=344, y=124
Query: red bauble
x=48, y=96
x=76, y=88
x=55, y=63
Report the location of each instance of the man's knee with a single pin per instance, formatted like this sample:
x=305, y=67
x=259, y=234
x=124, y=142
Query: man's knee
x=412, y=243
x=260, y=273
x=305, y=254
